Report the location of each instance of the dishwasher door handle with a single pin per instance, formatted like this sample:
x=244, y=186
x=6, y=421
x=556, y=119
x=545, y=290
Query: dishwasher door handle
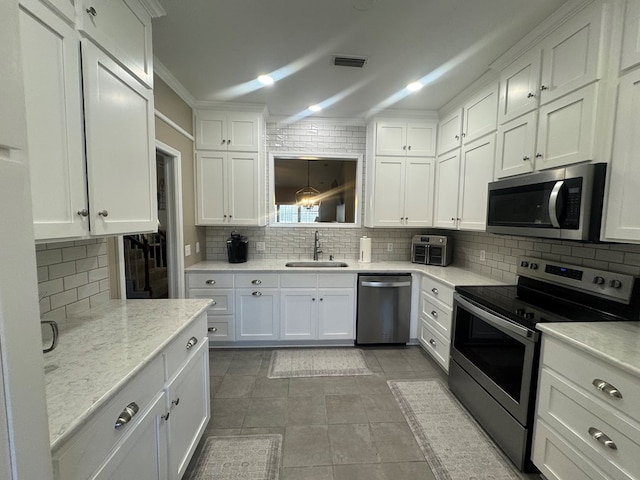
x=385, y=284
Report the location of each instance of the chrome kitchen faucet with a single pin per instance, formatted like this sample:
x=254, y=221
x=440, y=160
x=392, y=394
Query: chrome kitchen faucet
x=316, y=245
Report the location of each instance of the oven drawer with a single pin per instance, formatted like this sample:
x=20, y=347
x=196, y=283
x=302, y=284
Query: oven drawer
x=437, y=316
x=584, y=369
x=437, y=290
x=580, y=418
x=434, y=343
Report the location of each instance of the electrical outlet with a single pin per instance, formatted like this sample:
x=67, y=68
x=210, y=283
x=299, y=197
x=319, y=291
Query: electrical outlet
x=197, y=247
x=260, y=247
x=483, y=255
x=389, y=247
x=187, y=250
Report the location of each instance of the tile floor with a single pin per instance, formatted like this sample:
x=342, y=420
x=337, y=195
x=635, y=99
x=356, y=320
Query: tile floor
x=334, y=428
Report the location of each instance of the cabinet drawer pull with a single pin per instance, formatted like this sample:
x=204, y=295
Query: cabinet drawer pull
x=434, y=313
x=212, y=329
x=127, y=414
x=256, y=282
x=434, y=289
x=432, y=342
x=192, y=341
x=92, y=11
x=606, y=388
x=256, y=294
x=210, y=282
x=602, y=438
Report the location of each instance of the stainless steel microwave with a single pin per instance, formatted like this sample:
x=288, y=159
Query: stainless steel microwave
x=563, y=203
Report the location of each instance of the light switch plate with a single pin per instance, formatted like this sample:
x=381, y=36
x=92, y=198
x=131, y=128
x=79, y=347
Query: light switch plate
x=187, y=250
x=260, y=246
x=483, y=255
x=197, y=247
x=389, y=247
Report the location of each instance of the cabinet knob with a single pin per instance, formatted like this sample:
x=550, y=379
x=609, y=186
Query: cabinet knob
x=457, y=137
x=607, y=388
x=92, y=11
x=212, y=329
x=321, y=299
x=409, y=147
x=432, y=342
x=525, y=159
x=435, y=291
x=176, y=402
x=214, y=303
x=83, y=213
x=224, y=216
x=406, y=219
x=531, y=95
x=127, y=414
x=602, y=438
x=543, y=88
x=256, y=294
x=192, y=341
x=434, y=313
x=401, y=219
x=256, y=282
x=464, y=134
x=538, y=155
x=404, y=147
x=165, y=417
x=210, y=282
x=228, y=142
x=103, y=213
x=230, y=216
x=223, y=142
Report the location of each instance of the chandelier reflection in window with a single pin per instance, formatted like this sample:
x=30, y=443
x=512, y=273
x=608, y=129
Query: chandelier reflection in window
x=308, y=197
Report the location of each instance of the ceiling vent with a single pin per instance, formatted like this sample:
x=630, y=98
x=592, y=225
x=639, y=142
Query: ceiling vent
x=349, y=61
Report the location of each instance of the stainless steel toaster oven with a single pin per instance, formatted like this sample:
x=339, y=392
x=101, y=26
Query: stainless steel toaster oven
x=432, y=250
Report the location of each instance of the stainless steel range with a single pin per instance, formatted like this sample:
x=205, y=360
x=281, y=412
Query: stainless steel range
x=495, y=346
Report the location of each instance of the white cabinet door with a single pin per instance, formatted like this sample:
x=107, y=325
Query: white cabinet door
x=571, y=54
x=566, y=129
x=50, y=50
x=421, y=139
x=211, y=188
x=336, y=314
x=515, y=152
x=243, y=134
x=446, y=190
x=243, y=192
x=189, y=410
x=481, y=114
x=228, y=131
x=631, y=40
x=450, y=132
x=622, y=222
x=413, y=138
x=298, y=313
x=257, y=314
x=476, y=171
x=519, y=84
x=211, y=130
x=419, y=178
x=391, y=138
x=120, y=143
x=388, y=199
x=142, y=455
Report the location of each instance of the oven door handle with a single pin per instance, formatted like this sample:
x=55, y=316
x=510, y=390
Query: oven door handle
x=495, y=319
x=553, y=203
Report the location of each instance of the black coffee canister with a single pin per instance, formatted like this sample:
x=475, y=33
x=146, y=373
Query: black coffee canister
x=237, y=248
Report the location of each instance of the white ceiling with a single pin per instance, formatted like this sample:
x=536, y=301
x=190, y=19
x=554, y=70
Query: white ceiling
x=216, y=49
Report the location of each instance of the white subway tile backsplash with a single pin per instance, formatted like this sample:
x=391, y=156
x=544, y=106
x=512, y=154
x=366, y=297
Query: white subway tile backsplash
x=77, y=280
x=74, y=253
x=48, y=257
x=63, y=299
x=62, y=269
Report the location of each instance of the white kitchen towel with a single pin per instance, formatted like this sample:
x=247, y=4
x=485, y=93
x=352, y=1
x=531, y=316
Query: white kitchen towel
x=365, y=250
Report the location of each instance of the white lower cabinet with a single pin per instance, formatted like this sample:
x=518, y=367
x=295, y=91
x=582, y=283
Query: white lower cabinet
x=257, y=314
x=434, y=325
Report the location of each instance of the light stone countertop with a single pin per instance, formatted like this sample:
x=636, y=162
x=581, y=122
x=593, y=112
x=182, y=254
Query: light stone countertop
x=101, y=349
x=450, y=275
x=617, y=343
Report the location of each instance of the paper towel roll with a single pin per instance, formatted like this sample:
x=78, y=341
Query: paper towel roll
x=365, y=250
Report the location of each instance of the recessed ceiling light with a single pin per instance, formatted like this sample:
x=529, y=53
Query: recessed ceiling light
x=266, y=79
x=414, y=86
x=315, y=108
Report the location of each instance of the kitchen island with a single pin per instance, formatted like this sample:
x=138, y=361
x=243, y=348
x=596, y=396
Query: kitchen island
x=125, y=354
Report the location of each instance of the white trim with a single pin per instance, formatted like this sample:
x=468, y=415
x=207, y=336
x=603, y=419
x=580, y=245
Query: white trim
x=153, y=8
x=167, y=77
x=231, y=106
x=285, y=120
x=174, y=125
x=175, y=238
x=358, y=198
x=122, y=278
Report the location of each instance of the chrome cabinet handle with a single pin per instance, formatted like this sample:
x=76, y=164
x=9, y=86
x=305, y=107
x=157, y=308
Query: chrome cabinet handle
x=606, y=388
x=176, y=402
x=256, y=282
x=92, y=11
x=602, y=438
x=83, y=213
x=256, y=294
x=127, y=414
x=435, y=291
x=192, y=341
x=103, y=213
x=210, y=282
x=432, y=342
x=212, y=329
x=434, y=313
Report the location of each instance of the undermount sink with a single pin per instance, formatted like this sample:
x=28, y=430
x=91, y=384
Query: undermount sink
x=316, y=264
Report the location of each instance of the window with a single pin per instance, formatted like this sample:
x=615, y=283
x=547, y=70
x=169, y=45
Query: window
x=296, y=214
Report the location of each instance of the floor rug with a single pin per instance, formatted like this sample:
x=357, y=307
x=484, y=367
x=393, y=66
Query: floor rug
x=454, y=445
x=317, y=362
x=239, y=457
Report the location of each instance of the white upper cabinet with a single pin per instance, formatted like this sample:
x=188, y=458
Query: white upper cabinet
x=410, y=138
x=123, y=29
x=622, y=222
x=446, y=191
x=120, y=142
x=450, y=132
x=516, y=148
x=631, y=41
x=229, y=131
x=519, y=84
x=54, y=122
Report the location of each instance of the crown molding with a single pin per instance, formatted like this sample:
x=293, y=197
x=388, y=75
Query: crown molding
x=286, y=120
x=167, y=77
x=154, y=8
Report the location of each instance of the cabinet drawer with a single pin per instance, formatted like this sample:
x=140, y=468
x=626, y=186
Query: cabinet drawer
x=438, y=317
x=88, y=448
x=183, y=346
x=223, y=299
x=434, y=343
x=221, y=329
x=578, y=417
x=584, y=369
x=336, y=280
x=301, y=280
x=209, y=280
x=262, y=280
x=437, y=290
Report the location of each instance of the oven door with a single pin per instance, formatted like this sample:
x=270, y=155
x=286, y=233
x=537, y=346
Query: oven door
x=497, y=353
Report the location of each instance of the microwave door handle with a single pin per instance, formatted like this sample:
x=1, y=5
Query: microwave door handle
x=553, y=203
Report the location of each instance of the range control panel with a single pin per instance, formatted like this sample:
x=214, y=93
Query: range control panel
x=609, y=285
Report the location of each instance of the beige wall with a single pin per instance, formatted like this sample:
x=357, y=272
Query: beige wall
x=171, y=105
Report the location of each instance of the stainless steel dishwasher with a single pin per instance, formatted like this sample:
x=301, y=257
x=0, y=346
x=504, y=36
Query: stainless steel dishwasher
x=384, y=308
